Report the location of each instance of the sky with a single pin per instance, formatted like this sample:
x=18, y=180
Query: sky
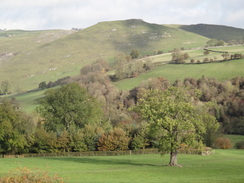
x=67, y=14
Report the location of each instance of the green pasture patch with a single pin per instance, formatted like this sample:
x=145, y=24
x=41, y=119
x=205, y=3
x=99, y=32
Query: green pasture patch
x=235, y=138
x=221, y=71
x=224, y=166
x=28, y=101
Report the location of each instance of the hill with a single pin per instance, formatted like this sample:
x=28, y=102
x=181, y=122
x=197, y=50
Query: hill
x=35, y=56
x=219, y=32
x=219, y=70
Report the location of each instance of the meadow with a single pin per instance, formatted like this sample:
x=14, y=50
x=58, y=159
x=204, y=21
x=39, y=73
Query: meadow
x=221, y=71
x=224, y=166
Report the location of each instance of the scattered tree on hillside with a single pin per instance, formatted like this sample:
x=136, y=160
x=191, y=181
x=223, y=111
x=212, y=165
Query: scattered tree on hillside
x=6, y=87
x=226, y=56
x=178, y=57
x=174, y=119
x=42, y=85
x=206, y=52
x=134, y=54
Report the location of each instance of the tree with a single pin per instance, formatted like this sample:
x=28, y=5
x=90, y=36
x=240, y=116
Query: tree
x=173, y=117
x=42, y=85
x=206, y=52
x=178, y=57
x=6, y=87
x=134, y=54
x=116, y=139
x=68, y=107
x=226, y=56
x=13, y=131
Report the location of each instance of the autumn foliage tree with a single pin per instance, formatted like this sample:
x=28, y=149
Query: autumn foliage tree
x=116, y=139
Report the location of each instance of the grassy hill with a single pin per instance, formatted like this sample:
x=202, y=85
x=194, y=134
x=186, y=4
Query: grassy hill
x=219, y=32
x=35, y=56
x=219, y=70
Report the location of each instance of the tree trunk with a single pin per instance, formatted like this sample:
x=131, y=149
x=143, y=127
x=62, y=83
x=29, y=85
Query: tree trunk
x=173, y=158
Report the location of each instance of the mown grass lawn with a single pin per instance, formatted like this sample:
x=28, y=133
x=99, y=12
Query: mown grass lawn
x=224, y=166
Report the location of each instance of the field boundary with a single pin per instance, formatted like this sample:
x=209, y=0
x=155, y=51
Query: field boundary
x=206, y=151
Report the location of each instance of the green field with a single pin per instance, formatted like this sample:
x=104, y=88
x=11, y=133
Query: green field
x=224, y=166
x=235, y=138
x=221, y=71
x=29, y=101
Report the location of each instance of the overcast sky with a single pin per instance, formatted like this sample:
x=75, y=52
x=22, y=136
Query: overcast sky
x=66, y=14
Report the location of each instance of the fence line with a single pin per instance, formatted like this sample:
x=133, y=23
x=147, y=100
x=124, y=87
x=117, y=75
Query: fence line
x=106, y=153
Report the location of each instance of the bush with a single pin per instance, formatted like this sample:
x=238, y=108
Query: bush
x=223, y=143
x=240, y=145
x=116, y=139
x=31, y=176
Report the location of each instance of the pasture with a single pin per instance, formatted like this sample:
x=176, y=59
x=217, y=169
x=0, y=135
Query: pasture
x=224, y=166
x=221, y=71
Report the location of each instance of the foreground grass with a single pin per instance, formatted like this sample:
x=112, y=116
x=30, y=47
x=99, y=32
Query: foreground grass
x=224, y=166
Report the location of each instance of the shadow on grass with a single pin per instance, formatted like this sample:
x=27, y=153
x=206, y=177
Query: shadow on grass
x=100, y=161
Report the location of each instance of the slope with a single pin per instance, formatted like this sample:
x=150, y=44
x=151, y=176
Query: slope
x=51, y=59
x=219, y=70
x=219, y=32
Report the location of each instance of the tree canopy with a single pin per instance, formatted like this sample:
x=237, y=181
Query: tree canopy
x=15, y=129
x=68, y=107
x=174, y=118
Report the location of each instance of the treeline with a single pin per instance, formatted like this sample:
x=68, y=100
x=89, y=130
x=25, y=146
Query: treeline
x=89, y=113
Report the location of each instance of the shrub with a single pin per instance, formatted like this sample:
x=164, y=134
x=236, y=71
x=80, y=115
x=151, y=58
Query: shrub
x=116, y=139
x=240, y=145
x=31, y=176
x=223, y=143
x=205, y=60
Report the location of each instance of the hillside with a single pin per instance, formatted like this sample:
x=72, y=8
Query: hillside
x=220, y=70
x=219, y=32
x=35, y=56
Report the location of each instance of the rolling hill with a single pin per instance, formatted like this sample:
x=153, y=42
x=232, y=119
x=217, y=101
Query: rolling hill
x=30, y=57
x=35, y=56
x=219, y=32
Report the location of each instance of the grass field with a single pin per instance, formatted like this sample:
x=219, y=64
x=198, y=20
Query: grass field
x=224, y=166
x=235, y=138
x=29, y=101
x=221, y=71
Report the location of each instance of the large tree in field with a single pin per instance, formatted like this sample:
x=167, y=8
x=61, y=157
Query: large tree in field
x=174, y=118
x=68, y=108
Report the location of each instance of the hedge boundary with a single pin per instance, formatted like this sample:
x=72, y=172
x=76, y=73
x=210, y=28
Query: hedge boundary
x=205, y=151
